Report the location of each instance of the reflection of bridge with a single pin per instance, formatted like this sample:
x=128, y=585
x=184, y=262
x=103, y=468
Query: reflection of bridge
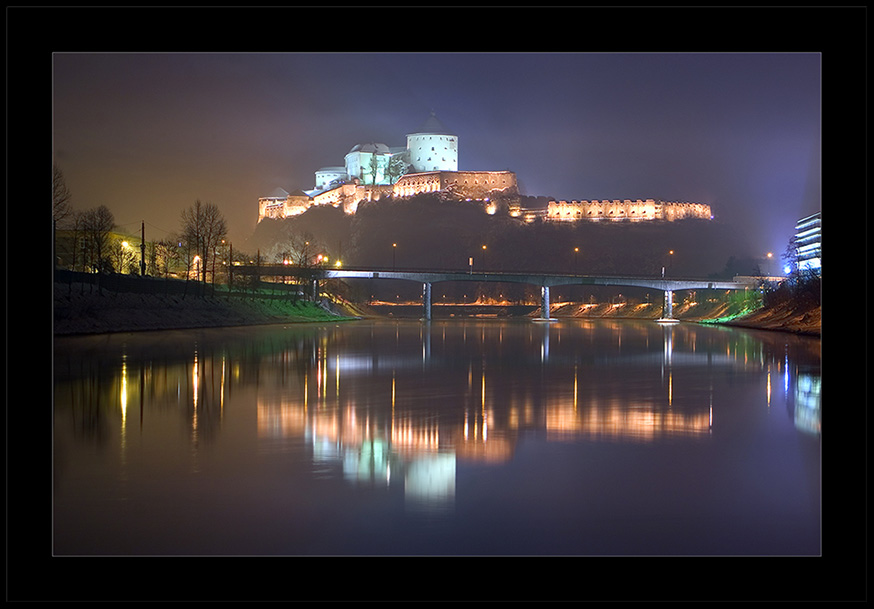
x=544, y=280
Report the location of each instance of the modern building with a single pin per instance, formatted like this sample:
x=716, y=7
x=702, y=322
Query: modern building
x=808, y=243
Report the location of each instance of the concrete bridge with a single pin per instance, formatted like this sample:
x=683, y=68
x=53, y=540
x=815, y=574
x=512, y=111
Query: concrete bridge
x=544, y=280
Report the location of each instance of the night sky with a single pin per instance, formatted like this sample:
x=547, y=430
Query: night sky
x=148, y=132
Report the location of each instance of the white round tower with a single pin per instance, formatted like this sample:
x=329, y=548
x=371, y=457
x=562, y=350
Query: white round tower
x=432, y=148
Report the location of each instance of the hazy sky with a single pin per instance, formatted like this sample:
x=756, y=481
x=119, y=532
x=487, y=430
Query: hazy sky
x=146, y=134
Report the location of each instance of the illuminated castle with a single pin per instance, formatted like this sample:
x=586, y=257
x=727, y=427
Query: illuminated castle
x=429, y=164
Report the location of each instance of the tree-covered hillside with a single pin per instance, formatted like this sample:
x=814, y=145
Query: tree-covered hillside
x=429, y=232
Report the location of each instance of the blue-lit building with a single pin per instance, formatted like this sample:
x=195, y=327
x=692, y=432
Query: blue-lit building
x=808, y=243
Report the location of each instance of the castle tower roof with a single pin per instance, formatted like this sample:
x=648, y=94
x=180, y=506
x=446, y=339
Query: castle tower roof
x=371, y=147
x=433, y=125
x=277, y=193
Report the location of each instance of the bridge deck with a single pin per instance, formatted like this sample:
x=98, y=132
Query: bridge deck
x=540, y=279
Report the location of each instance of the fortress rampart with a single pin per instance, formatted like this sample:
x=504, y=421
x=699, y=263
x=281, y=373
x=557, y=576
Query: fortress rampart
x=474, y=185
x=626, y=209
x=461, y=185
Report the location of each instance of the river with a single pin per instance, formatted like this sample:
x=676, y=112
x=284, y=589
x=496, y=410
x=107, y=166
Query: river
x=454, y=437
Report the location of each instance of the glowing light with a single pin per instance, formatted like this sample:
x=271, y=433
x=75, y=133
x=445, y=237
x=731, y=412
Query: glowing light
x=123, y=396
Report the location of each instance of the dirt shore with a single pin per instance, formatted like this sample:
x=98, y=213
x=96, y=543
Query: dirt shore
x=783, y=318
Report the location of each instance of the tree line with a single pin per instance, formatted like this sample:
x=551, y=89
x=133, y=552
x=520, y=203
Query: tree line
x=91, y=245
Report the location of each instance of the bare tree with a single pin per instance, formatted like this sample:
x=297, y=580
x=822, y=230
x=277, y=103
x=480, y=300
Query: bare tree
x=61, y=196
x=302, y=246
x=203, y=228
x=97, y=224
x=397, y=167
x=167, y=256
x=123, y=256
x=374, y=168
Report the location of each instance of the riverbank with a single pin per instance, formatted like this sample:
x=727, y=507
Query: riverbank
x=82, y=309
x=789, y=316
x=786, y=317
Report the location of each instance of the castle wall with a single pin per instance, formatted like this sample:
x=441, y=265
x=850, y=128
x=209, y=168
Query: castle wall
x=626, y=209
x=476, y=185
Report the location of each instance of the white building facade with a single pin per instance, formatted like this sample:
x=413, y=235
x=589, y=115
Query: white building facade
x=433, y=148
x=808, y=243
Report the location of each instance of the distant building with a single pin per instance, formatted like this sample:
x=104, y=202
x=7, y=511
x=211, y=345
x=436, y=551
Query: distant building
x=808, y=243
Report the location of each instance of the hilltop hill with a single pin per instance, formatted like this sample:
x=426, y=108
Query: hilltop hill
x=431, y=232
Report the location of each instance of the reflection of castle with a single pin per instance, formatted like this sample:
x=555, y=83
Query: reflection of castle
x=428, y=163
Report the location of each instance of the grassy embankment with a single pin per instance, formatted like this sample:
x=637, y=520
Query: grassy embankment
x=84, y=310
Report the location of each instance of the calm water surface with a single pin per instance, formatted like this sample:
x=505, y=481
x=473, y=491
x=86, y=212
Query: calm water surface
x=461, y=437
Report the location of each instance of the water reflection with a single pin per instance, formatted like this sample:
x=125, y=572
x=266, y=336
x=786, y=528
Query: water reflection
x=403, y=405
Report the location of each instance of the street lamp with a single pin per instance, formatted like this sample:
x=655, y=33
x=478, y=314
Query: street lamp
x=670, y=261
x=484, y=257
x=394, y=247
x=576, y=256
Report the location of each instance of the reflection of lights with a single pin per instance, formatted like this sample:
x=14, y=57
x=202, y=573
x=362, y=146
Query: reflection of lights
x=195, y=380
x=405, y=434
x=575, y=388
x=123, y=400
x=808, y=403
x=786, y=376
x=638, y=423
x=123, y=396
x=431, y=479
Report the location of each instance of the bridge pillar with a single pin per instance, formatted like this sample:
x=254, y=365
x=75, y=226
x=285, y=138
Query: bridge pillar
x=669, y=305
x=544, y=302
x=426, y=300
x=315, y=290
